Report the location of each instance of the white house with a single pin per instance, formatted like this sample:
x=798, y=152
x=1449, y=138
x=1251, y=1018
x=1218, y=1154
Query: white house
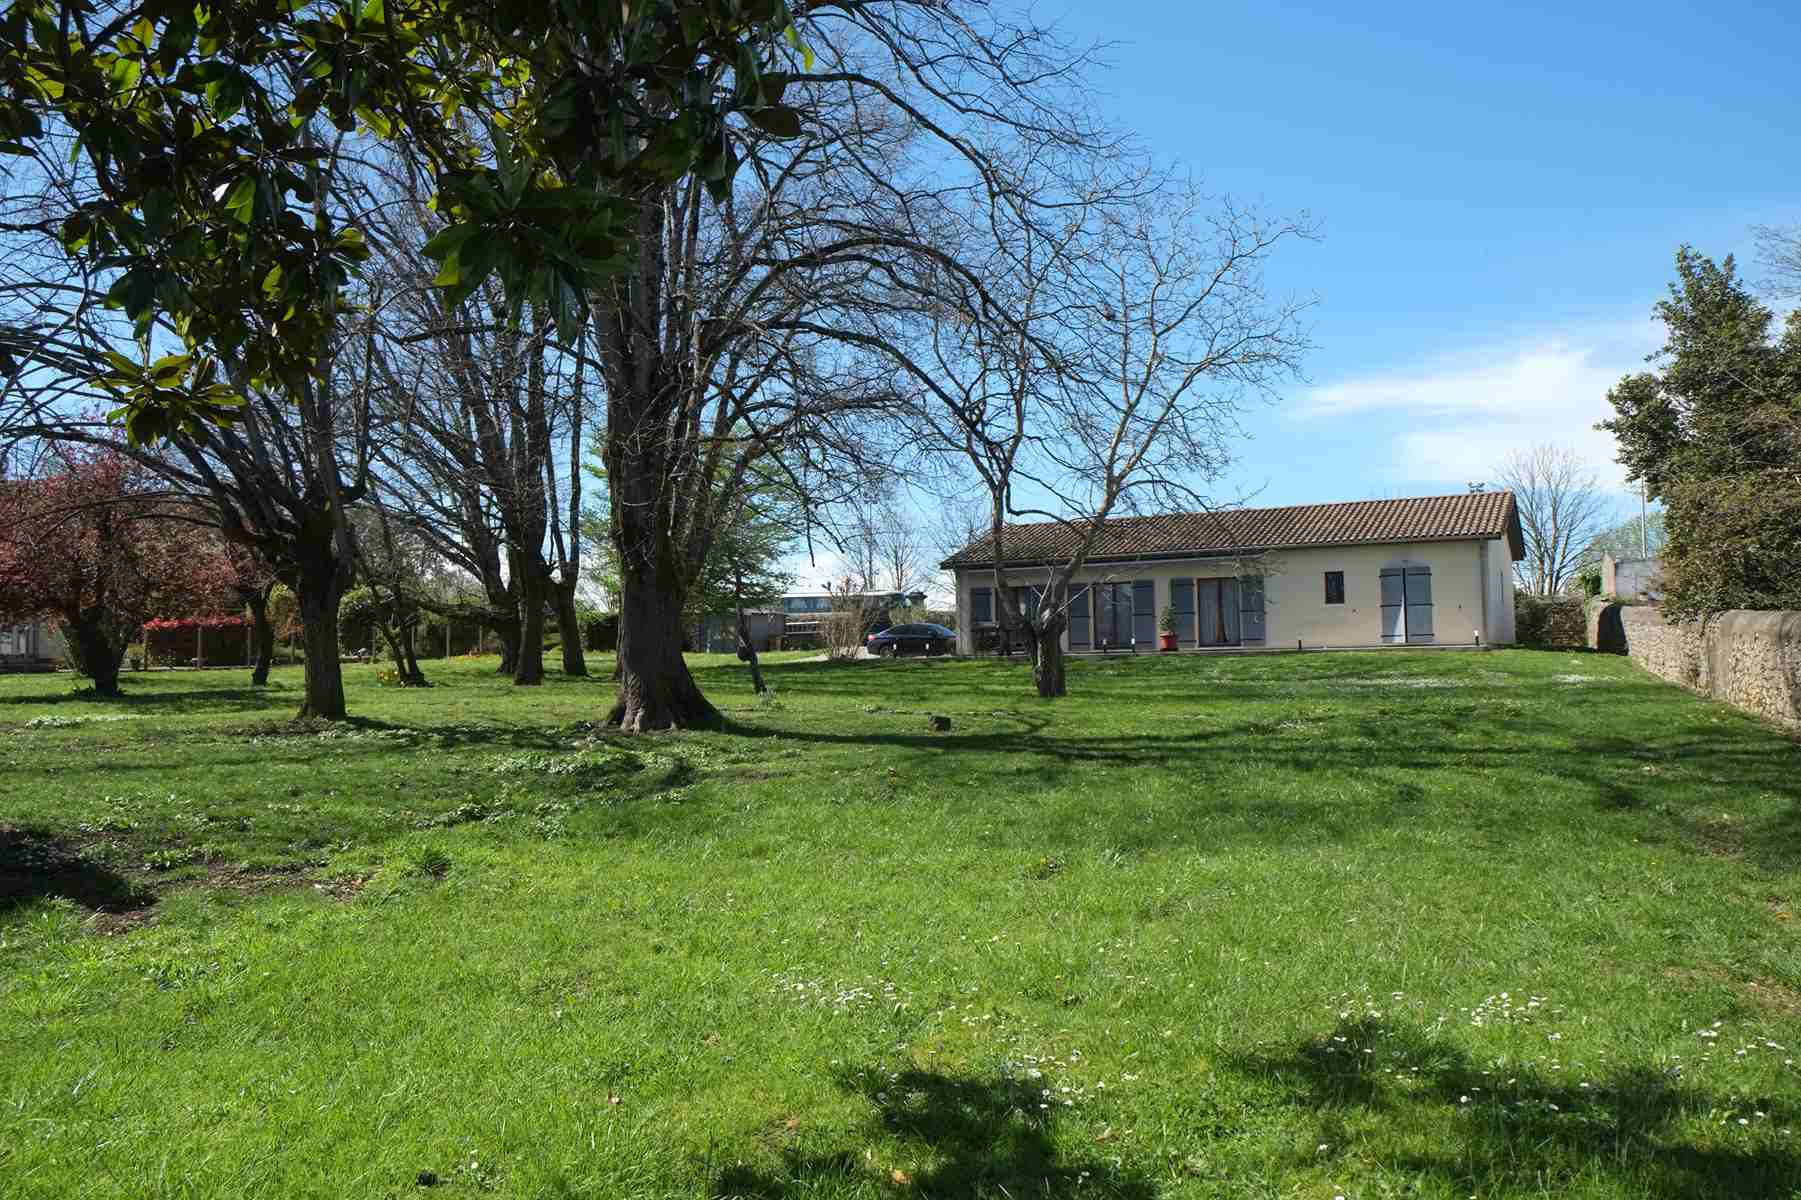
x=30, y=646
x=1427, y=570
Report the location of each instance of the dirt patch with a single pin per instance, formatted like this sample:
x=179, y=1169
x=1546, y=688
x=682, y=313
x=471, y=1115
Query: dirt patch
x=1777, y=997
x=1764, y=993
x=1714, y=833
x=35, y=865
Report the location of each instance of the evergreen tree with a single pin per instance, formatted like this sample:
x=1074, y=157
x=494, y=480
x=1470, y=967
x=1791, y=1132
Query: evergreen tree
x=1715, y=435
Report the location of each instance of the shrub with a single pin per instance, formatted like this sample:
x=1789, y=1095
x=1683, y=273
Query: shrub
x=600, y=631
x=173, y=641
x=843, y=632
x=1549, y=622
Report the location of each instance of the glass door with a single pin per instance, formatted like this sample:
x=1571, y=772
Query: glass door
x=1217, y=608
x=1113, y=614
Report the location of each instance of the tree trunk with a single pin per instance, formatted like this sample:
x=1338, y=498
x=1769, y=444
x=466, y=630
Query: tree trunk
x=1048, y=663
x=318, y=592
x=655, y=689
x=528, y=671
x=748, y=652
x=569, y=624
x=262, y=637
x=409, y=638
x=94, y=655
x=506, y=632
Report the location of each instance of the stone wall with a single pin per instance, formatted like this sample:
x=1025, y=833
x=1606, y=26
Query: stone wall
x=1751, y=660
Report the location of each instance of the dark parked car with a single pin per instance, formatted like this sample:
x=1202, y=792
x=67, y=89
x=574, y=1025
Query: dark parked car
x=911, y=639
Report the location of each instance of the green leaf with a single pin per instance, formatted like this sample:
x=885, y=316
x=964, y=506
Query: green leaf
x=446, y=240
x=241, y=201
x=450, y=273
x=777, y=120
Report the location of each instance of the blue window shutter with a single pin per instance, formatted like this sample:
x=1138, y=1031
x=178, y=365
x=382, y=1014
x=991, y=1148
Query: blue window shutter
x=1251, y=626
x=1394, y=605
x=1419, y=603
x=1080, y=629
x=981, y=605
x=1144, y=612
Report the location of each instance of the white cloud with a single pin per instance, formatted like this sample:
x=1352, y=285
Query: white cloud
x=1454, y=419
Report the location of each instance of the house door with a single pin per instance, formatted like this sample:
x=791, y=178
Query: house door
x=1113, y=608
x=1217, y=609
x=1406, y=604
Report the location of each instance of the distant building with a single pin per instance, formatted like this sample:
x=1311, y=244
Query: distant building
x=793, y=621
x=1639, y=579
x=31, y=646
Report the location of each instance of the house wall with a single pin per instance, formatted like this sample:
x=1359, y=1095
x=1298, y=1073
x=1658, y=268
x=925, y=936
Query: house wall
x=32, y=642
x=1631, y=578
x=1503, y=629
x=1464, y=573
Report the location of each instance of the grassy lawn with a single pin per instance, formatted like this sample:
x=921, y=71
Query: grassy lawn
x=1358, y=925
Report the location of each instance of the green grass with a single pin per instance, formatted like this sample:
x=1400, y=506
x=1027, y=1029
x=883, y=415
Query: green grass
x=1360, y=925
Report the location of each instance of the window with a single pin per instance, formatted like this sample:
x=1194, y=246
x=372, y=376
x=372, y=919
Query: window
x=1252, y=618
x=1334, y=587
x=1218, y=611
x=1114, y=613
x=981, y=605
x=1181, y=598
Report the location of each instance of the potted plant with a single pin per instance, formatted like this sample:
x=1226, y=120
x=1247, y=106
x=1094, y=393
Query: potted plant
x=1167, y=627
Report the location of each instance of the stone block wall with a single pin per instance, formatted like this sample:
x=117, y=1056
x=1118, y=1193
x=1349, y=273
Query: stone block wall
x=1751, y=660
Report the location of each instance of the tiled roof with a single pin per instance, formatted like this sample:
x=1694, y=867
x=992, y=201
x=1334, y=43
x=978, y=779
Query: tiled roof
x=1459, y=517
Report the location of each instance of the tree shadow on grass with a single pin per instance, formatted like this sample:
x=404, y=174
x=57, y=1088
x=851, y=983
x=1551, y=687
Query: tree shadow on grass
x=35, y=865
x=1428, y=743
x=960, y=1138
x=1519, y=1130
x=171, y=703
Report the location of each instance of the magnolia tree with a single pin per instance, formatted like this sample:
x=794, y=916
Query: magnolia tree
x=191, y=159
x=86, y=544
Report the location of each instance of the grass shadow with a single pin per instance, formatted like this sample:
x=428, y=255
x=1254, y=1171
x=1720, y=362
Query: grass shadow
x=1518, y=1129
x=960, y=1138
x=35, y=865
x=170, y=702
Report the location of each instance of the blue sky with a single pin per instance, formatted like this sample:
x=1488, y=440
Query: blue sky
x=1500, y=190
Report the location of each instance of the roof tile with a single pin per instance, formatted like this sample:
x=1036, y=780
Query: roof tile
x=1458, y=517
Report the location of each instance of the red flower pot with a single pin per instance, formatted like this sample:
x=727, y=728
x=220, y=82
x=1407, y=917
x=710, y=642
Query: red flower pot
x=1168, y=640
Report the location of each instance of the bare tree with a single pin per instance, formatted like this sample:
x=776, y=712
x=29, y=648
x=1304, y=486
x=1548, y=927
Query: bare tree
x=1562, y=510
x=900, y=550
x=1779, y=253
x=764, y=329
x=476, y=406
x=880, y=545
x=1136, y=326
